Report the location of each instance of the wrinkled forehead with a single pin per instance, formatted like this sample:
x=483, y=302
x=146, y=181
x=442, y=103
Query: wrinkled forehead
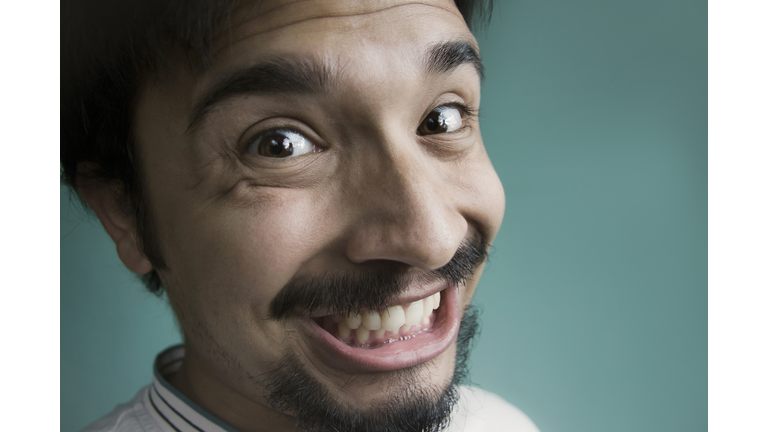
x=336, y=31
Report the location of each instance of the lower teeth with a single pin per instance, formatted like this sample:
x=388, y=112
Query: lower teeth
x=392, y=324
x=388, y=337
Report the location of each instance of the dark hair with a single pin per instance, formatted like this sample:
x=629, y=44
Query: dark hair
x=108, y=51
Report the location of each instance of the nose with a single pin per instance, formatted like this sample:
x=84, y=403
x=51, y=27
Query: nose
x=404, y=209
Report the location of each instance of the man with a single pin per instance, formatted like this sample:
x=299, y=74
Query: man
x=308, y=184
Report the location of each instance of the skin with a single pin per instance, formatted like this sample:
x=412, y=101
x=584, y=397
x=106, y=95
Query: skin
x=235, y=226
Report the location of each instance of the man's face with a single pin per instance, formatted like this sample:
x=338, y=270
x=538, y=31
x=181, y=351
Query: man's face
x=332, y=146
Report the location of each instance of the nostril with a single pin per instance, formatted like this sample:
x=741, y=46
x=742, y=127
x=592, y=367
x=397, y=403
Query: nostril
x=425, y=249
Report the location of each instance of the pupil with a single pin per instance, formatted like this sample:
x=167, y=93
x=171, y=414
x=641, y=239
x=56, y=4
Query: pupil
x=432, y=123
x=277, y=145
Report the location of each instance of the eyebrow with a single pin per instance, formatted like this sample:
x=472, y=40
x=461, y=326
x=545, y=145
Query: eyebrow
x=284, y=75
x=447, y=56
x=297, y=75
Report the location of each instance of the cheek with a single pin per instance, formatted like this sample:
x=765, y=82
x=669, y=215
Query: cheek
x=232, y=255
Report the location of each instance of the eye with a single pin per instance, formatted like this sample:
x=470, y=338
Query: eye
x=443, y=119
x=281, y=143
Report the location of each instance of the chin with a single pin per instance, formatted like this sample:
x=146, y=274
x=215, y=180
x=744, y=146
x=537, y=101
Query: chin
x=362, y=391
x=421, y=395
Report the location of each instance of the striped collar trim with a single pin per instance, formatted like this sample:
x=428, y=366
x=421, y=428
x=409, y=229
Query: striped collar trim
x=172, y=409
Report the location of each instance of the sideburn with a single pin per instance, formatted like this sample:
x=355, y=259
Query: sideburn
x=146, y=227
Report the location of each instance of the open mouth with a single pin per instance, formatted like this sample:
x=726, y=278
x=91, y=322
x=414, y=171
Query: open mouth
x=395, y=337
x=370, y=329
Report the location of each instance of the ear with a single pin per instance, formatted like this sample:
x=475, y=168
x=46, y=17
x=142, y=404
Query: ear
x=103, y=199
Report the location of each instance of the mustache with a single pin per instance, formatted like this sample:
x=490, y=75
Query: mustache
x=345, y=292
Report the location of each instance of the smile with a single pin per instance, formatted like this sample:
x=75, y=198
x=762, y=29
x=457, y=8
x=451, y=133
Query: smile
x=369, y=329
x=397, y=337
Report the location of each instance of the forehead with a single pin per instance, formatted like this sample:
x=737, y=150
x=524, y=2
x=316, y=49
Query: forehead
x=309, y=26
x=344, y=34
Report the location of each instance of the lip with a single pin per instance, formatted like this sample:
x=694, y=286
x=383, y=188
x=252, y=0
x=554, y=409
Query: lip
x=392, y=356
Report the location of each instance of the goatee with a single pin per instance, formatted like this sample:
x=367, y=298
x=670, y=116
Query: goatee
x=415, y=406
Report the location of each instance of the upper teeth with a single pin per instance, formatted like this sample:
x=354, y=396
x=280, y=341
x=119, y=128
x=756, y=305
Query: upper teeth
x=353, y=320
x=372, y=320
x=415, y=313
x=391, y=318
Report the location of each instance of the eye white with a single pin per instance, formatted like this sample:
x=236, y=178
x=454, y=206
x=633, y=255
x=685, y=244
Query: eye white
x=450, y=118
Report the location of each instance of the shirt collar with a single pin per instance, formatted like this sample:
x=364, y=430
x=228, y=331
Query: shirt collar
x=172, y=407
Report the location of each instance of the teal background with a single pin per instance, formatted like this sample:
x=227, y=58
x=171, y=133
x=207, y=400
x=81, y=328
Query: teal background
x=595, y=115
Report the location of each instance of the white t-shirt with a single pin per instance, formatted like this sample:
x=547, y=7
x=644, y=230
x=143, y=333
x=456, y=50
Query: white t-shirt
x=159, y=407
